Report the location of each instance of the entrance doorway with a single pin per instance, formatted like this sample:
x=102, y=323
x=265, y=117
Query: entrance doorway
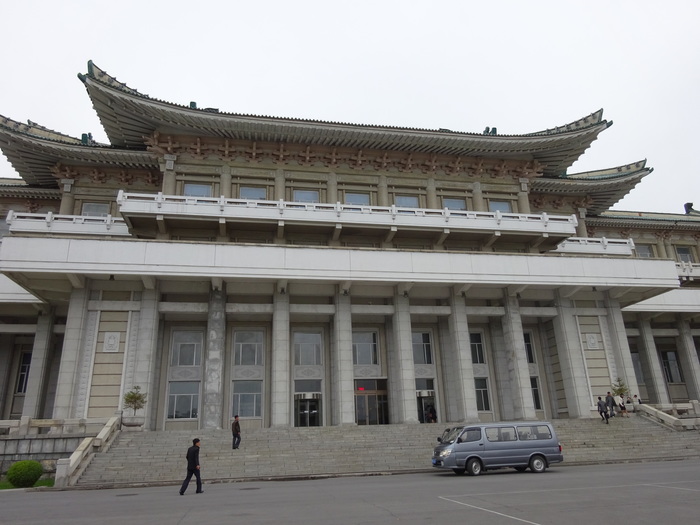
x=427, y=413
x=307, y=411
x=371, y=402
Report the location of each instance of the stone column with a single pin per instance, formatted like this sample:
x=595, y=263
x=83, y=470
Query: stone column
x=523, y=196
x=478, y=198
x=332, y=188
x=280, y=186
x=523, y=406
x=145, y=358
x=619, y=344
x=431, y=195
x=225, y=182
x=688, y=357
x=661, y=247
x=70, y=356
x=457, y=365
x=38, y=369
x=67, y=198
x=382, y=192
x=581, y=230
x=653, y=372
x=571, y=360
x=342, y=369
x=213, y=388
x=169, y=178
x=281, y=388
x=402, y=371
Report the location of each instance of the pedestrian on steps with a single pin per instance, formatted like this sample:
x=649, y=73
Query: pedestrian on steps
x=236, y=431
x=192, y=457
x=610, y=402
x=603, y=410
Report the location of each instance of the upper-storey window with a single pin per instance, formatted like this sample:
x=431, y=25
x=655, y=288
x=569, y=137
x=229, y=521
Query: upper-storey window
x=452, y=203
x=357, y=198
x=253, y=193
x=192, y=189
x=305, y=196
x=644, y=251
x=406, y=201
x=685, y=254
x=95, y=209
x=502, y=206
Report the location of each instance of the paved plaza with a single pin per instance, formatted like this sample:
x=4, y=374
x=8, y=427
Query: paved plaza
x=639, y=493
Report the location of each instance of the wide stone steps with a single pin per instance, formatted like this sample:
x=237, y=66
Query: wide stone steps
x=158, y=457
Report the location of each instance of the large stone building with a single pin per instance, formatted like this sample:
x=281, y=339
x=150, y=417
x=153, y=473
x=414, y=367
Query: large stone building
x=304, y=273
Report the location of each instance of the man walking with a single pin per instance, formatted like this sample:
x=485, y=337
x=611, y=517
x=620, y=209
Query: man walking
x=603, y=410
x=192, y=467
x=236, y=431
x=610, y=402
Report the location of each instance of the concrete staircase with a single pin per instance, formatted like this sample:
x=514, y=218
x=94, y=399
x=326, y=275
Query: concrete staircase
x=159, y=457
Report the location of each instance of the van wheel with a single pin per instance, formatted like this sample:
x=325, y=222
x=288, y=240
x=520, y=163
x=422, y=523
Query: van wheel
x=458, y=471
x=474, y=467
x=538, y=464
x=521, y=469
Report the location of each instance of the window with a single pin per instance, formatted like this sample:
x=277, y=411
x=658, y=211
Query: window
x=500, y=433
x=247, y=399
x=359, y=199
x=183, y=400
x=672, y=369
x=192, y=189
x=248, y=348
x=477, y=348
x=644, y=251
x=307, y=348
x=637, y=364
x=95, y=209
x=422, y=351
x=307, y=385
x=425, y=384
x=482, y=393
x=23, y=374
x=452, y=203
x=535, y=393
x=684, y=254
x=529, y=348
x=187, y=348
x=471, y=434
x=364, y=348
x=305, y=196
x=502, y=206
x=253, y=193
x=406, y=201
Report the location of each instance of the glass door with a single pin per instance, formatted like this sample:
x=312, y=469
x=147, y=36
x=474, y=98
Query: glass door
x=307, y=412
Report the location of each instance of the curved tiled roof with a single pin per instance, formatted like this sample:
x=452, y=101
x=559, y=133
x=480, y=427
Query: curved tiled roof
x=603, y=187
x=33, y=150
x=128, y=116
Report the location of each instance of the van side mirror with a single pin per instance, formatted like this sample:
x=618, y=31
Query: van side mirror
x=439, y=440
x=459, y=439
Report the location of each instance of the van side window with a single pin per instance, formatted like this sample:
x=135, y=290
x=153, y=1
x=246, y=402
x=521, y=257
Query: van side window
x=534, y=432
x=471, y=434
x=501, y=434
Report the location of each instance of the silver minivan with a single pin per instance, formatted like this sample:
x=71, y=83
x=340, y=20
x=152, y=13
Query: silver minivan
x=486, y=446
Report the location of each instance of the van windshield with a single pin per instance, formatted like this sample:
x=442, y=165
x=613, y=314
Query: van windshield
x=450, y=435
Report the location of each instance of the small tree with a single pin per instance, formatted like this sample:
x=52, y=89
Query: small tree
x=134, y=399
x=619, y=388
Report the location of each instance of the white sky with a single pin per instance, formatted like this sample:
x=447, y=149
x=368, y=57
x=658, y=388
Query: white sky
x=519, y=65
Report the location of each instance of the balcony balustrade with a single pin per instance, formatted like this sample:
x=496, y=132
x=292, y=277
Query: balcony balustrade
x=50, y=223
x=596, y=246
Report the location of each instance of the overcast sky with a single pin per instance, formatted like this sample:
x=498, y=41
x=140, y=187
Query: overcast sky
x=519, y=65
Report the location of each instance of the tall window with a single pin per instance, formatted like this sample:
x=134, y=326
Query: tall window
x=406, y=201
x=422, y=350
x=248, y=347
x=535, y=393
x=183, y=400
x=452, y=203
x=364, y=348
x=187, y=348
x=305, y=196
x=529, y=347
x=502, y=206
x=644, y=251
x=192, y=189
x=637, y=364
x=685, y=254
x=358, y=199
x=23, y=375
x=247, y=399
x=307, y=348
x=672, y=369
x=477, y=348
x=482, y=393
x=253, y=193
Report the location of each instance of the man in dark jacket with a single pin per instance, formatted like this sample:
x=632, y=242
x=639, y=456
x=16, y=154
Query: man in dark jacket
x=236, y=431
x=192, y=467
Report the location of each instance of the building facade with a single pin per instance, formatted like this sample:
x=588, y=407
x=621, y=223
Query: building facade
x=306, y=273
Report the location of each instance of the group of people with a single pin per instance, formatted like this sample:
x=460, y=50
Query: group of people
x=192, y=457
x=611, y=404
